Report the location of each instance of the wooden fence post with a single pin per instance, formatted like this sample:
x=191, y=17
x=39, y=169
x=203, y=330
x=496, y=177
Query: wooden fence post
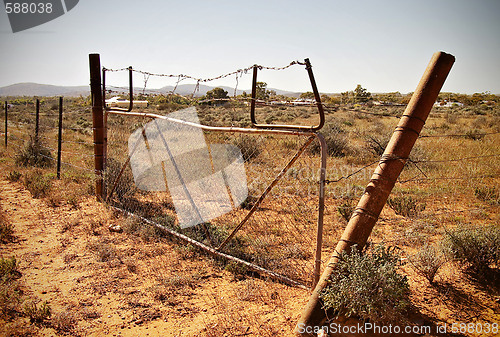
x=382, y=181
x=97, y=122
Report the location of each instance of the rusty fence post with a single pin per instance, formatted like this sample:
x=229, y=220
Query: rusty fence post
x=59, y=138
x=382, y=181
x=97, y=122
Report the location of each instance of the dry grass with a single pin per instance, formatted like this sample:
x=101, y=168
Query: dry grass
x=440, y=193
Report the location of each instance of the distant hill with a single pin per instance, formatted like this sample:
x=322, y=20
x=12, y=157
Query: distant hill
x=35, y=89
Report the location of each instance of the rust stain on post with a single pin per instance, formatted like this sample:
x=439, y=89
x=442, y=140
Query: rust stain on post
x=97, y=121
x=383, y=179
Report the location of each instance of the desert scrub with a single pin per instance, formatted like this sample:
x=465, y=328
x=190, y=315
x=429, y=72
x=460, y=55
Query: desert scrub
x=14, y=176
x=37, y=314
x=37, y=183
x=34, y=154
x=10, y=292
x=337, y=142
x=477, y=248
x=249, y=146
x=6, y=228
x=488, y=194
x=427, y=261
x=346, y=209
x=405, y=205
x=367, y=285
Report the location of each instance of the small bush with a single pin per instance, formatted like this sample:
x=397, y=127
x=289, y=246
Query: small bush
x=6, y=229
x=336, y=141
x=64, y=322
x=249, y=146
x=478, y=248
x=474, y=134
x=34, y=154
x=37, y=183
x=8, y=269
x=14, y=176
x=369, y=287
x=405, y=205
x=104, y=251
x=125, y=185
x=377, y=145
x=345, y=210
x=37, y=314
x=488, y=194
x=427, y=261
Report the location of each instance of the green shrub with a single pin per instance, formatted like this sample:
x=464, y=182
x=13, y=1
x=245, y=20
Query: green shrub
x=488, y=194
x=14, y=176
x=478, y=248
x=6, y=230
x=345, y=210
x=427, y=261
x=368, y=286
x=34, y=154
x=336, y=139
x=377, y=145
x=249, y=146
x=8, y=269
x=37, y=183
x=37, y=314
x=405, y=205
x=474, y=134
x=125, y=186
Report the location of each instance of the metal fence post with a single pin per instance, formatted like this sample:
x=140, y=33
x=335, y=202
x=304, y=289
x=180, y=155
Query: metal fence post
x=6, y=124
x=37, y=119
x=97, y=122
x=383, y=179
x=59, y=138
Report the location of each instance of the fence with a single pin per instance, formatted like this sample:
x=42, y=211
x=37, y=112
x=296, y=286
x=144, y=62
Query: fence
x=62, y=137
x=273, y=228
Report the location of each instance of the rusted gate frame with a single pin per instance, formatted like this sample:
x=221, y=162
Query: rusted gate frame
x=317, y=97
x=312, y=135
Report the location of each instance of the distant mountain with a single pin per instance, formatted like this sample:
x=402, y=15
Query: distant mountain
x=188, y=89
x=35, y=89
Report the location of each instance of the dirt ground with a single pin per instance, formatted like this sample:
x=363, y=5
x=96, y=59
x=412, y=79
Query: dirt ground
x=102, y=283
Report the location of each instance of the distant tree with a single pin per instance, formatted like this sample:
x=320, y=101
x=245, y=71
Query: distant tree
x=347, y=97
x=261, y=91
x=216, y=93
x=361, y=95
x=307, y=95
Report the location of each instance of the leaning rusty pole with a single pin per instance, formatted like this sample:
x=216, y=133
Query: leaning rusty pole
x=382, y=181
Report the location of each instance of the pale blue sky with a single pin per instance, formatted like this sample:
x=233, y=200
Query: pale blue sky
x=382, y=45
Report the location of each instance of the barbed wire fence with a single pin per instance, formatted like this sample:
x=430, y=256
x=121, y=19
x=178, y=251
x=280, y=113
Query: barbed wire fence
x=275, y=228
x=264, y=152
x=291, y=207
x=63, y=140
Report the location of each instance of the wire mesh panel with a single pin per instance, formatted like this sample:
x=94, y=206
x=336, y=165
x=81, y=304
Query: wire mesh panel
x=151, y=170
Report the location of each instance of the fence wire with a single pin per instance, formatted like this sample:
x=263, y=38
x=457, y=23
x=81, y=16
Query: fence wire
x=280, y=236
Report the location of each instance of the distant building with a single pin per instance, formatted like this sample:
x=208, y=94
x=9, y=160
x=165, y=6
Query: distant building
x=117, y=102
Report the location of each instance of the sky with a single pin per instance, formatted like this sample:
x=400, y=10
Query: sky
x=383, y=45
